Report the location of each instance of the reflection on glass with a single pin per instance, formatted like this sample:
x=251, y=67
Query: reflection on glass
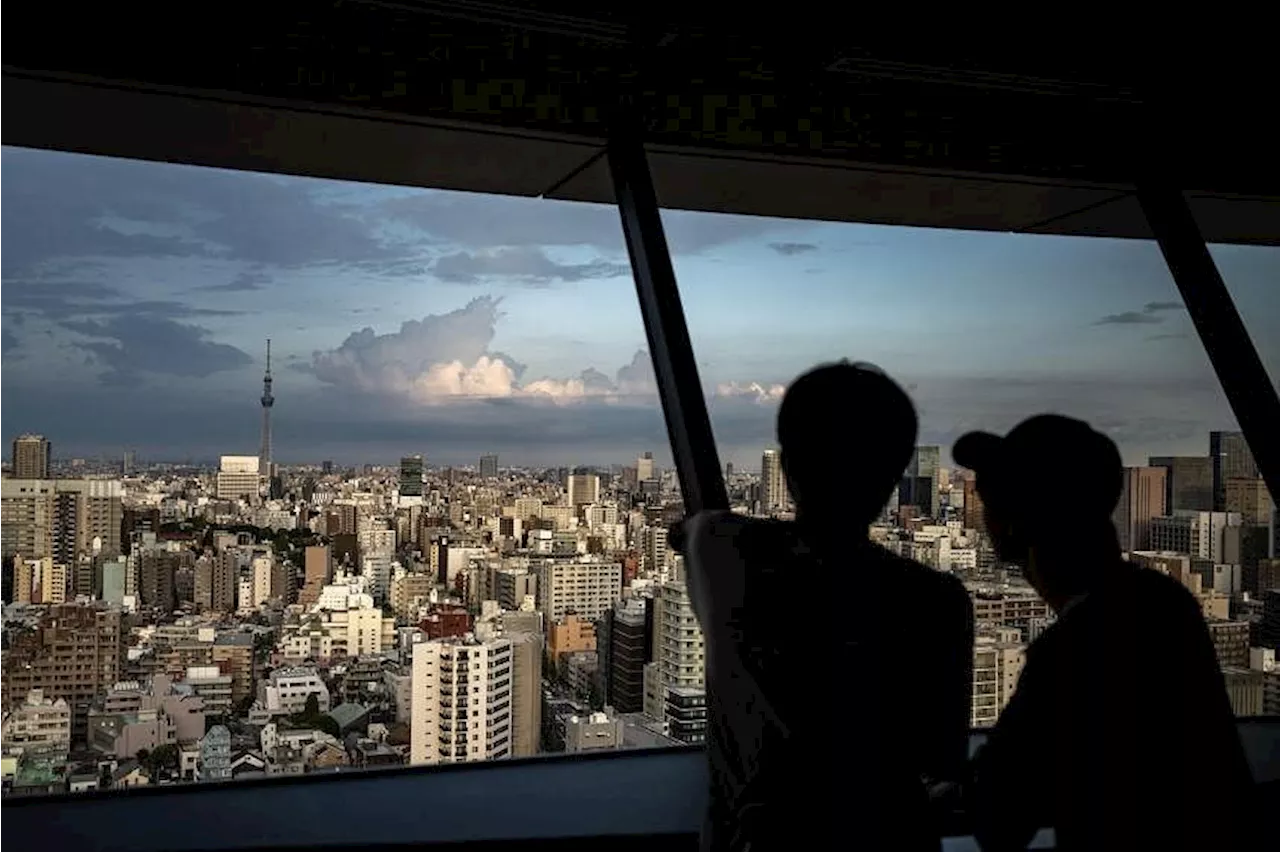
x=985, y=329
x=429, y=530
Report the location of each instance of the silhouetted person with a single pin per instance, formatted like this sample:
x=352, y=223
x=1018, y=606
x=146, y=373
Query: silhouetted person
x=838, y=674
x=1120, y=734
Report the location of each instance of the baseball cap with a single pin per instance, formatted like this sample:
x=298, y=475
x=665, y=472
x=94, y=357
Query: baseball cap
x=1008, y=466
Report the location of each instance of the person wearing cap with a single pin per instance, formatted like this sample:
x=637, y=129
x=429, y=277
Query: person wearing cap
x=1120, y=734
x=829, y=725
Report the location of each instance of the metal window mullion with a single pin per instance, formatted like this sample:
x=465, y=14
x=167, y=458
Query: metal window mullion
x=1249, y=390
x=684, y=406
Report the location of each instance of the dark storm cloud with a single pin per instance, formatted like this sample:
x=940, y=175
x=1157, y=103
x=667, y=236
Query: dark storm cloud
x=67, y=302
x=527, y=264
x=73, y=206
x=791, y=249
x=1129, y=318
x=128, y=345
x=472, y=220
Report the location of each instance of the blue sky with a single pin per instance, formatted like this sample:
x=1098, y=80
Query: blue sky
x=137, y=298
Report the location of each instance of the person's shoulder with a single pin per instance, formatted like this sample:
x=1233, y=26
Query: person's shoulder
x=912, y=574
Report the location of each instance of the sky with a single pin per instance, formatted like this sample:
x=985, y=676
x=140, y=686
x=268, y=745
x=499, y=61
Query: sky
x=137, y=299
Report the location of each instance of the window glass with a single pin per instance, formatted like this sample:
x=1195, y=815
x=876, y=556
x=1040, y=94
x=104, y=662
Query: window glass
x=460, y=406
x=983, y=330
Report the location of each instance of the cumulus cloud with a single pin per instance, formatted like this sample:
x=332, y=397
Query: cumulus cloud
x=753, y=391
x=522, y=263
x=447, y=357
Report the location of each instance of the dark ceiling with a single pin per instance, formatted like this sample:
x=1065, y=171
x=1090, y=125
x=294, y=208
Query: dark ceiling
x=806, y=89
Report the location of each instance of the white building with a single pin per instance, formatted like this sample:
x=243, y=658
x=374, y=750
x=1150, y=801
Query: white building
x=997, y=663
x=585, y=586
x=238, y=478
x=286, y=691
x=461, y=707
x=679, y=652
x=38, y=724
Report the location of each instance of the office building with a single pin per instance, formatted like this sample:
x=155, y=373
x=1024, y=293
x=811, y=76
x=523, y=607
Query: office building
x=1200, y=534
x=32, y=457
x=919, y=487
x=411, y=472
x=1250, y=498
x=238, y=476
x=489, y=466
x=1188, y=482
x=625, y=646
x=584, y=489
x=774, y=496
x=645, y=468
x=1142, y=496
x=1231, y=458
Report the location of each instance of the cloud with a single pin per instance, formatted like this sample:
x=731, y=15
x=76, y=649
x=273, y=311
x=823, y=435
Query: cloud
x=143, y=344
x=791, y=249
x=753, y=391
x=444, y=358
x=1129, y=318
x=1180, y=335
x=77, y=206
x=243, y=283
x=470, y=220
x=1153, y=307
x=522, y=263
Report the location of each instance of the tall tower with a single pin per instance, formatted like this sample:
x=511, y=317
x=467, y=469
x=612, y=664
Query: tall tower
x=264, y=455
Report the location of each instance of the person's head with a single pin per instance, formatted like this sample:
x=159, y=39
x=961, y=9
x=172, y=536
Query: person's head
x=1057, y=542
x=846, y=432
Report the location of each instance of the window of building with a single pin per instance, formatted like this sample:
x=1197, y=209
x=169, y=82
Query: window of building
x=983, y=330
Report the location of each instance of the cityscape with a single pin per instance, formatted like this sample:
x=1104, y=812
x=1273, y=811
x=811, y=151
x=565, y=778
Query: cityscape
x=169, y=625
x=246, y=534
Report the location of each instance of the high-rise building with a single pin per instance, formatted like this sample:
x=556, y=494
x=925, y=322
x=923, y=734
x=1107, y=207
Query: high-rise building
x=625, y=647
x=773, y=484
x=489, y=466
x=411, y=476
x=919, y=486
x=215, y=582
x=678, y=651
x=1251, y=499
x=264, y=452
x=645, y=469
x=1231, y=458
x=75, y=654
x=461, y=708
x=1142, y=495
x=317, y=572
x=588, y=588
x=63, y=518
x=32, y=455
x=1188, y=482
x=1200, y=534
x=584, y=489
x=974, y=519
x=238, y=476
x=998, y=658
x=157, y=577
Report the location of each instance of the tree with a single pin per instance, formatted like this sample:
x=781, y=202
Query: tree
x=162, y=757
x=312, y=707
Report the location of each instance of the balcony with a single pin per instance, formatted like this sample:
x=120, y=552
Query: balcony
x=628, y=800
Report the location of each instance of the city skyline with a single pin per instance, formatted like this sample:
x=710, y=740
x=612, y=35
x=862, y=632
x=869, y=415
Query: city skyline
x=457, y=324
